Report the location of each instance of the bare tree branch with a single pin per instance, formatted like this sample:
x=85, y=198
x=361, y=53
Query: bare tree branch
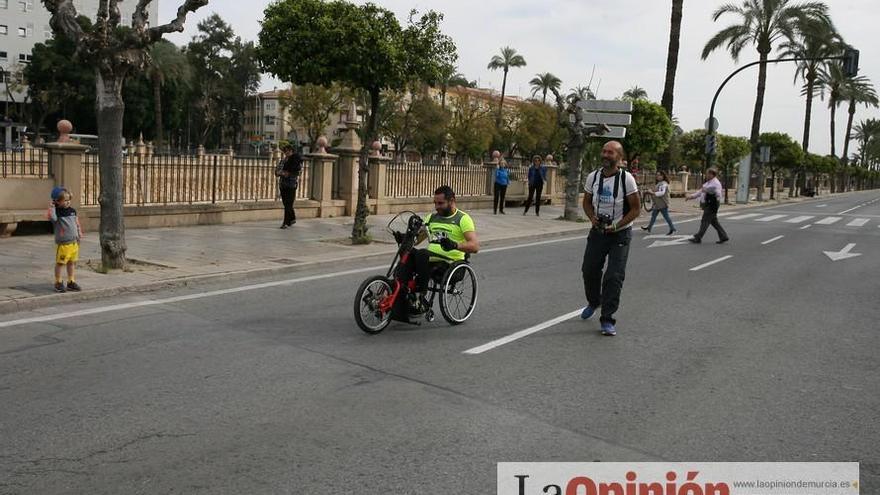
x=177, y=24
x=63, y=18
x=140, y=17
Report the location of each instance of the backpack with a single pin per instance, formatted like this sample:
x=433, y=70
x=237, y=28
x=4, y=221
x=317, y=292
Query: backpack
x=617, y=176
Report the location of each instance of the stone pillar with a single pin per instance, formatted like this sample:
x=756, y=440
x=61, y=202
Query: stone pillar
x=377, y=178
x=65, y=162
x=683, y=177
x=349, y=151
x=140, y=149
x=322, y=181
x=490, y=167
x=149, y=149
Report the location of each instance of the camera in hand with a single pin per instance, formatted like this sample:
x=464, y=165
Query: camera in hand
x=605, y=220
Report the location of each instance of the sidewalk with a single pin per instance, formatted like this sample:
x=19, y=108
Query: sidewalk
x=168, y=257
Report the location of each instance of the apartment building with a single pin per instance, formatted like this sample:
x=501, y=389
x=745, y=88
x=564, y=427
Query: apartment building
x=24, y=23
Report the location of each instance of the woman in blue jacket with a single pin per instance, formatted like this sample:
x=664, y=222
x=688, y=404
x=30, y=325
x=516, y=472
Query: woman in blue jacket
x=537, y=178
x=502, y=179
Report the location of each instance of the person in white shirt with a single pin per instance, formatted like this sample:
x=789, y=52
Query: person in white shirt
x=611, y=202
x=661, y=202
x=710, y=200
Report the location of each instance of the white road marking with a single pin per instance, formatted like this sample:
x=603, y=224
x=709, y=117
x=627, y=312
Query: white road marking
x=829, y=220
x=842, y=254
x=747, y=215
x=522, y=333
x=770, y=218
x=858, y=222
x=805, y=227
x=799, y=219
x=851, y=209
x=234, y=290
x=704, y=265
x=821, y=206
x=772, y=240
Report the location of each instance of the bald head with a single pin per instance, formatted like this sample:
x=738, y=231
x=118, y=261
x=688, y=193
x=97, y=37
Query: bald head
x=612, y=154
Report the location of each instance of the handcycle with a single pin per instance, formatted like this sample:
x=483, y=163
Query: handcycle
x=381, y=299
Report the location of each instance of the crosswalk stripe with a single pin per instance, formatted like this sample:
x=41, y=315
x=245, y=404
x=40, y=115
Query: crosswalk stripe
x=770, y=218
x=829, y=220
x=858, y=222
x=798, y=219
x=747, y=215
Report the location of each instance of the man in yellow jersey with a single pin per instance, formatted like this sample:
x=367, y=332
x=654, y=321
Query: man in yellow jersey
x=451, y=233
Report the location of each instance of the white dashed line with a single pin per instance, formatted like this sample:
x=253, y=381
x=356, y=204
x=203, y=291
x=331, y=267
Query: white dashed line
x=772, y=240
x=704, y=265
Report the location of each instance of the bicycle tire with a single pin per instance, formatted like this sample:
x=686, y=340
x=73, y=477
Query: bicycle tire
x=459, y=275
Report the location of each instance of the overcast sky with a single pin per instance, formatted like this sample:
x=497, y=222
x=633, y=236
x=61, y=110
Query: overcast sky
x=626, y=41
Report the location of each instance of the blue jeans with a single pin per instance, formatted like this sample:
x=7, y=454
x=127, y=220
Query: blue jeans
x=665, y=212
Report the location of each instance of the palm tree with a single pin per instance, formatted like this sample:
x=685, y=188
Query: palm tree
x=672, y=56
x=635, y=93
x=581, y=93
x=814, y=40
x=508, y=58
x=543, y=83
x=866, y=132
x=859, y=90
x=761, y=23
x=167, y=63
x=834, y=81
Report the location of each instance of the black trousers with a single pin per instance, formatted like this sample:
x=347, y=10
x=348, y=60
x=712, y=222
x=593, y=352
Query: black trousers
x=420, y=266
x=604, y=289
x=288, y=194
x=710, y=217
x=500, y=192
x=535, y=192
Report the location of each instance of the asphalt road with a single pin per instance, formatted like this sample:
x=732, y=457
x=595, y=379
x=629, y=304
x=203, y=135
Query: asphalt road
x=769, y=354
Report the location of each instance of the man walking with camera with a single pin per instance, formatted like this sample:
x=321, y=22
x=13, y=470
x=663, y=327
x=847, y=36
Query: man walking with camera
x=611, y=202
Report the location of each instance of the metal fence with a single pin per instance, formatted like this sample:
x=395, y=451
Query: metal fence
x=25, y=162
x=415, y=179
x=187, y=179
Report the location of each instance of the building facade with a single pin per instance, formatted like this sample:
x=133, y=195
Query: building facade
x=24, y=23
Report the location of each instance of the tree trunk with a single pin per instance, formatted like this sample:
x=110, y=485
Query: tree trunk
x=359, y=230
x=573, y=183
x=808, y=117
x=501, y=105
x=672, y=57
x=849, y=123
x=157, y=110
x=773, y=184
x=756, y=123
x=833, y=105
x=110, y=110
x=544, y=99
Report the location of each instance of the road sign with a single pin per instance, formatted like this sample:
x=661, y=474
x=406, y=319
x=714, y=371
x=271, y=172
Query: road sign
x=851, y=62
x=616, y=106
x=606, y=118
x=711, y=125
x=765, y=154
x=711, y=144
x=614, y=133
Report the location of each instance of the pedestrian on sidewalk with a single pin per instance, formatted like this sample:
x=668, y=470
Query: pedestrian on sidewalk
x=288, y=171
x=611, y=202
x=710, y=200
x=537, y=178
x=502, y=180
x=68, y=234
x=661, y=202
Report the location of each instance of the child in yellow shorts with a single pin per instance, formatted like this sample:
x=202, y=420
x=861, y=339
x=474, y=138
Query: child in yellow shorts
x=68, y=234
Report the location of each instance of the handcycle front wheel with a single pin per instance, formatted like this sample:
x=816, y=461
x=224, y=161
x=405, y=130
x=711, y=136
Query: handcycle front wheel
x=648, y=202
x=366, y=304
x=458, y=293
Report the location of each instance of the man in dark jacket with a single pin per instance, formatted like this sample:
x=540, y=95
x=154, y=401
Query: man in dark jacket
x=288, y=171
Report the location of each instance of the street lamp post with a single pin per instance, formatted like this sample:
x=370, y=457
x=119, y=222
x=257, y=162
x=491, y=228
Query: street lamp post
x=851, y=68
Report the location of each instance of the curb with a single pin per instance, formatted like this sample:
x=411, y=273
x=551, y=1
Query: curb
x=37, y=302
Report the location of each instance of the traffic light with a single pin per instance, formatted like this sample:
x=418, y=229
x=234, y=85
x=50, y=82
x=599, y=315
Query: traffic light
x=711, y=144
x=851, y=62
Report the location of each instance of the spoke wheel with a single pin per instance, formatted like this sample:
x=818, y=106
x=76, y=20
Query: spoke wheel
x=647, y=202
x=458, y=296
x=366, y=304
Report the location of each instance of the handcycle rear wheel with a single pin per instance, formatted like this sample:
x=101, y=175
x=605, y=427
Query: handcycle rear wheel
x=366, y=305
x=458, y=293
